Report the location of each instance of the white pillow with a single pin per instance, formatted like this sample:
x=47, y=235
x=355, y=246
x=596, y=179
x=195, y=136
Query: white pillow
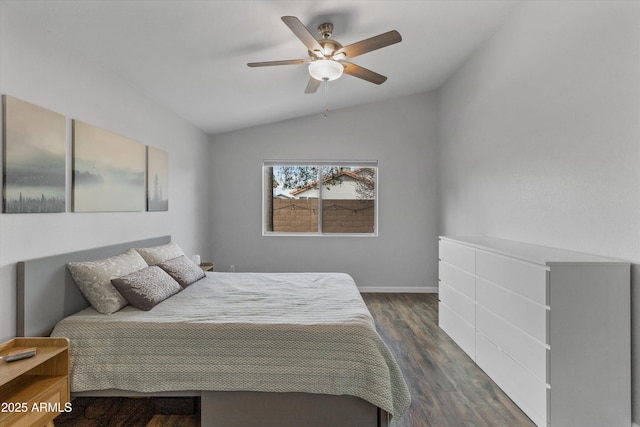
x=157, y=254
x=94, y=279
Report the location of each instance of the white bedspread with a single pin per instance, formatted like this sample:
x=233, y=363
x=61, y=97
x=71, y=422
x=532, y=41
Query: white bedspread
x=289, y=332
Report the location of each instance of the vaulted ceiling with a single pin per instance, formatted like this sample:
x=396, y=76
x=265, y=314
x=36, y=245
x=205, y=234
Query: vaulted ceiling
x=191, y=55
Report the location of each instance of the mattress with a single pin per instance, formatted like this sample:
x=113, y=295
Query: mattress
x=276, y=332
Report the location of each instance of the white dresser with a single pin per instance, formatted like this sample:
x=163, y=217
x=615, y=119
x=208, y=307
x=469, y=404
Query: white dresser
x=552, y=328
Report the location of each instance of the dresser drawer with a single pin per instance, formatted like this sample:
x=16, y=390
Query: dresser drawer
x=460, y=256
x=521, y=312
x=459, y=303
x=523, y=388
x=463, y=333
x=528, y=352
x=458, y=279
x=524, y=278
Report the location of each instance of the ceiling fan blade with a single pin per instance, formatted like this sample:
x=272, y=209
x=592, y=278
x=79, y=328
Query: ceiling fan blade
x=363, y=73
x=367, y=45
x=284, y=62
x=302, y=33
x=313, y=85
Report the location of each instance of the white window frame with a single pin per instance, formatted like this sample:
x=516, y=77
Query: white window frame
x=320, y=163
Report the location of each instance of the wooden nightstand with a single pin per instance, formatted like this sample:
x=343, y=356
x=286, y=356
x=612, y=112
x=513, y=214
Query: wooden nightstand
x=206, y=266
x=34, y=391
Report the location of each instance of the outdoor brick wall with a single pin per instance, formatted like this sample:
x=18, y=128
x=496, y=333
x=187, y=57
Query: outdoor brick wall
x=348, y=216
x=340, y=216
x=295, y=215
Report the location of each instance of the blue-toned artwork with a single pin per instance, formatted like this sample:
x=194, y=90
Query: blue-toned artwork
x=34, y=158
x=108, y=171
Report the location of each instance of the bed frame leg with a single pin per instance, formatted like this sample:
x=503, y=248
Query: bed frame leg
x=383, y=418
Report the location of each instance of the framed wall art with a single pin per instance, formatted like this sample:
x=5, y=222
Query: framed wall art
x=108, y=171
x=34, y=144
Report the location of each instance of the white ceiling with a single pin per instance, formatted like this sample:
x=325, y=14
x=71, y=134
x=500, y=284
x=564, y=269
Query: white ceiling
x=191, y=55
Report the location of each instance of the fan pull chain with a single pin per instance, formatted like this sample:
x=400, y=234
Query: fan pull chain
x=326, y=95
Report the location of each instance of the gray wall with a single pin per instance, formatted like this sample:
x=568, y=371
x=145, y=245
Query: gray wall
x=399, y=133
x=540, y=136
x=37, y=69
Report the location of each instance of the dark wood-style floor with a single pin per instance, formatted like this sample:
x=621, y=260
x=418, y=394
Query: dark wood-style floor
x=447, y=388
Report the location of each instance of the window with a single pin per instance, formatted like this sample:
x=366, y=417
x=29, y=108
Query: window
x=320, y=198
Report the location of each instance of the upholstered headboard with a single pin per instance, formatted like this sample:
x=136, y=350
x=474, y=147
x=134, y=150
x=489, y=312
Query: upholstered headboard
x=47, y=292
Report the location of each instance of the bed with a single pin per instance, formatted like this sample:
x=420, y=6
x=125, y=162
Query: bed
x=259, y=349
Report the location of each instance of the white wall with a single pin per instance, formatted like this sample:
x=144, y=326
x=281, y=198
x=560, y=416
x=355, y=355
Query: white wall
x=539, y=136
x=36, y=68
x=400, y=134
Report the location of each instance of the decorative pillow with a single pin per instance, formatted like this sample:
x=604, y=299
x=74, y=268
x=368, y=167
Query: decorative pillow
x=94, y=279
x=145, y=288
x=162, y=253
x=183, y=270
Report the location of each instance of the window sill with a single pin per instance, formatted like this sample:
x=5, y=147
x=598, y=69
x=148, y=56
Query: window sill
x=285, y=234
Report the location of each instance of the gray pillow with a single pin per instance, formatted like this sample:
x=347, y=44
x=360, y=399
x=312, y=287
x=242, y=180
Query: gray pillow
x=157, y=254
x=93, y=278
x=145, y=288
x=183, y=270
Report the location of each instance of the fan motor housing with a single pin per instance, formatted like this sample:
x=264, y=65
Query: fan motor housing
x=329, y=47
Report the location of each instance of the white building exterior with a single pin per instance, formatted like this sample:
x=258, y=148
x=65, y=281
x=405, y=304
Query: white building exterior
x=344, y=188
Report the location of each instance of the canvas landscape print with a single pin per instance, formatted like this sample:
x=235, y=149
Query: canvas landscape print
x=157, y=179
x=34, y=158
x=108, y=171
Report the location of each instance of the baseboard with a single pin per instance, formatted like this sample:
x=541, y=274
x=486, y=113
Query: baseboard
x=399, y=290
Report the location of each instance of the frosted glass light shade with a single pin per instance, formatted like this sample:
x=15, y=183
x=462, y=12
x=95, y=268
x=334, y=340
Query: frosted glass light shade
x=325, y=69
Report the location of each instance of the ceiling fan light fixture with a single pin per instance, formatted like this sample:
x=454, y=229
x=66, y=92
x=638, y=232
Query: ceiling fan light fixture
x=326, y=56
x=325, y=69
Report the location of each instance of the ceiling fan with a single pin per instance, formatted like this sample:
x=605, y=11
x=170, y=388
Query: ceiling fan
x=328, y=58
